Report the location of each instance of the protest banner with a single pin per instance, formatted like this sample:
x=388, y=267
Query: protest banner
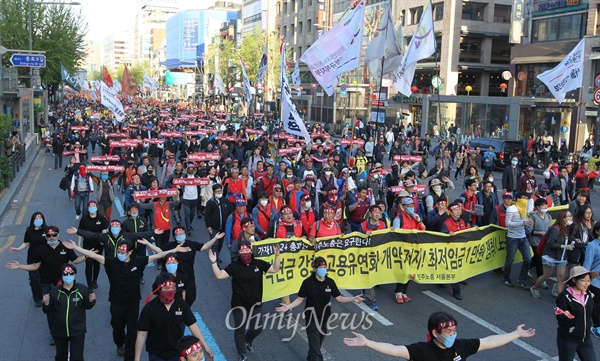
x=104, y=158
x=105, y=168
x=191, y=181
x=199, y=157
x=418, y=188
x=80, y=127
x=407, y=158
x=285, y=151
x=155, y=193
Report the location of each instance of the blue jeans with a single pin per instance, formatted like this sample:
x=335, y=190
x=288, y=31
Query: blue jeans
x=512, y=244
x=189, y=211
x=567, y=350
x=80, y=201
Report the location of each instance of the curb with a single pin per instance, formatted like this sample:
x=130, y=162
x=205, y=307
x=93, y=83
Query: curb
x=16, y=184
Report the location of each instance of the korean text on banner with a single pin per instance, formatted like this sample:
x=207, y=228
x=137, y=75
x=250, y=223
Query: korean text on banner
x=110, y=100
x=566, y=76
x=292, y=122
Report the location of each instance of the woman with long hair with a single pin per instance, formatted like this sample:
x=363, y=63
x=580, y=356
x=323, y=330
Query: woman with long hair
x=461, y=154
x=554, y=256
x=592, y=263
x=581, y=234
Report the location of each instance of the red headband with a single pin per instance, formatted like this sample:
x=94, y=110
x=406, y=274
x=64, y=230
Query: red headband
x=123, y=247
x=445, y=324
x=246, y=224
x=286, y=210
x=68, y=269
x=115, y=223
x=190, y=350
x=454, y=206
x=167, y=284
x=328, y=210
x=170, y=257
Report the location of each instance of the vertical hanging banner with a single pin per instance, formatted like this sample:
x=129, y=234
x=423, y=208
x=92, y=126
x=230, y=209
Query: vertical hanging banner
x=337, y=51
x=262, y=66
x=219, y=85
x=110, y=100
x=516, y=22
x=247, y=92
x=566, y=76
x=69, y=79
x=296, y=78
x=385, y=45
x=292, y=122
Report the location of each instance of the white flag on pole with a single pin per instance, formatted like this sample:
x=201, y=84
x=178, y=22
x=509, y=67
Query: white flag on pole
x=296, y=78
x=219, y=85
x=110, y=100
x=292, y=122
x=422, y=46
x=384, y=44
x=247, y=91
x=150, y=83
x=337, y=51
x=262, y=66
x=566, y=76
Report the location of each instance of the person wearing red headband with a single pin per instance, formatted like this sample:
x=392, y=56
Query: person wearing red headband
x=190, y=349
x=160, y=329
x=442, y=344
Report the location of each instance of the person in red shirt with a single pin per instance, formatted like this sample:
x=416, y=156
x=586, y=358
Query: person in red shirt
x=235, y=186
x=276, y=200
x=262, y=215
x=267, y=182
x=161, y=211
x=373, y=223
x=334, y=203
x=469, y=199
x=295, y=194
x=287, y=226
x=325, y=227
x=454, y=224
x=306, y=215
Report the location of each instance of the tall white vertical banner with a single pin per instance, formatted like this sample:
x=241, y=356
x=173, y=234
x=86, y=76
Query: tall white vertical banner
x=247, y=91
x=110, y=100
x=296, y=78
x=219, y=85
x=292, y=122
x=566, y=76
x=385, y=44
x=262, y=66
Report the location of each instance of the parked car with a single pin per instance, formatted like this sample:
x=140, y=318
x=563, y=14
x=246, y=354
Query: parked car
x=504, y=149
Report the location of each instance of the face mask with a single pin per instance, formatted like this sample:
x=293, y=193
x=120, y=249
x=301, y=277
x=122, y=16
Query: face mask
x=327, y=174
x=121, y=257
x=410, y=211
x=491, y=179
x=38, y=222
x=52, y=243
x=569, y=222
x=180, y=238
x=307, y=204
x=321, y=272
x=104, y=176
x=543, y=210
x=171, y=268
x=92, y=210
x=449, y=340
x=166, y=297
x=437, y=189
x=543, y=193
x=191, y=171
x=218, y=195
x=246, y=258
x=68, y=280
x=115, y=230
x=513, y=162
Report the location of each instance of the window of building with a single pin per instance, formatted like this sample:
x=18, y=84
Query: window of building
x=500, y=51
x=299, y=53
x=438, y=11
x=292, y=29
x=559, y=28
x=403, y=17
x=415, y=15
x=570, y=27
x=284, y=32
x=285, y=4
x=308, y=25
x=545, y=29
x=473, y=11
x=293, y=9
x=300, y=28
x=470, y=50
x=300, y=4
x=502, y=13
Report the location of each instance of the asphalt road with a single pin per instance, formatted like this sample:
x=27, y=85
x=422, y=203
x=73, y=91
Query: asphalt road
x=488, y=307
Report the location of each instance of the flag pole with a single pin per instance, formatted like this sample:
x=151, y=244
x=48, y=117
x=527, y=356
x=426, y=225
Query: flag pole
x=381, y=83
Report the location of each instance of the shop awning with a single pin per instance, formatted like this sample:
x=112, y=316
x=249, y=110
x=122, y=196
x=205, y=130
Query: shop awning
x=537, y=59
x=594, y=56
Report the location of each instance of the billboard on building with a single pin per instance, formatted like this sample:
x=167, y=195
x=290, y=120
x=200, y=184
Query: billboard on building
x=178, y=78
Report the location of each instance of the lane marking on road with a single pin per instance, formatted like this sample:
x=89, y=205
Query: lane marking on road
x=21, y=215
x=300, y=330
x=8, y=243
x=208, y=337
x=35, y=180
x=487, y=325
x=375, y=315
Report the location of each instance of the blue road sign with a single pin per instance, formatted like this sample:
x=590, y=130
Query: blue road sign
x=564, y=129
x=343, y=86
x=28, y=60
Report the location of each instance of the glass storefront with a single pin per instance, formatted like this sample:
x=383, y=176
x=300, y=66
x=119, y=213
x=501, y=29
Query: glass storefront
x=470, y=119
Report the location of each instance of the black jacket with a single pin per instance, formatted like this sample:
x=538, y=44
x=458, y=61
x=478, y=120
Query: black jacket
x=216, y=213
x=110, y=242
x=66, y=310
x=507, y=181
x=578, y=328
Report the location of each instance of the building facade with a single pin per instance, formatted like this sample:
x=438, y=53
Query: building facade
x=116, y=50
x=259, y=13
x=147, y=20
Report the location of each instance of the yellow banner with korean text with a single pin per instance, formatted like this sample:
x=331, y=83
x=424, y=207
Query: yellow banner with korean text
x=357, y=261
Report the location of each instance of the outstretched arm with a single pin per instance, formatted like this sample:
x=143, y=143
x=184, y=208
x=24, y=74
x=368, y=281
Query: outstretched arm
x=88, y=253
x=381, y=347
x=209, y=244
x=276, y=264
x=501, y=340
x=219, y=273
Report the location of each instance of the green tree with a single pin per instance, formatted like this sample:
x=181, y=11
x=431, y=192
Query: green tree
x=137, y=72
x=57, y=29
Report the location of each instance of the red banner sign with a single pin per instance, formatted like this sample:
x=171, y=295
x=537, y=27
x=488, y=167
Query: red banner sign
x=197, y=157
x=125, y=143
x=325, y=146
x=320, y=135
x=170, y=134
x=358, y=142
x=407, y=158
x=195, y=133
x=156, y=193
x=105, y=158
x=153, y=141
x=71, y=152
x=79, y=127
x=191, y=181
x=289, y=150
x=105, y=168
x=118, y=135
x=418, y=188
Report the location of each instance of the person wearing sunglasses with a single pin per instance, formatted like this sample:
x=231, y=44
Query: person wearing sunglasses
x=442, y=343
x=66, y=307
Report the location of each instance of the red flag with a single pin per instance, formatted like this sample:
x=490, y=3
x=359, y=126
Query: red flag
x=107, y=78
x=128, y=86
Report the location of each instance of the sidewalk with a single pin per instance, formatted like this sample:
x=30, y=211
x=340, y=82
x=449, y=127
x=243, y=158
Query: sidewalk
x=31, y=153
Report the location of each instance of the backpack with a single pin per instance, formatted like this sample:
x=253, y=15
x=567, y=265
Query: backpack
x=542, y=245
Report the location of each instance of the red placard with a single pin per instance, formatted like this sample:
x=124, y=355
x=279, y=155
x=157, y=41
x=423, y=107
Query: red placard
x=79, y=127
x=71, y=152
x=418, y=188
x=156, y=193
x=320, y=135
x=104, y=158
x=325, y=146
x=195, y=133
x=118, y=135
x=197, y=157
x=358, y=142
x=191, y=181
x=228, y=139
x=153, y=141
x=323, y=160
x=133, y=126
x=125, y=143
x=407, y=158
x=170, y=134
x=105, y=168
x=254, y=131
x=289, y=150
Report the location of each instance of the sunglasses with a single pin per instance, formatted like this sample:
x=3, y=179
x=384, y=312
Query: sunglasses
x=51, y=234
x=71, y=273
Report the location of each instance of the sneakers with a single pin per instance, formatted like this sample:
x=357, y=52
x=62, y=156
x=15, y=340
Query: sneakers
x=545, y=285
x=530, y=274
x=508, y=283
x=243, y=358
x=399, y=298
x=120, y=350
x=374, y=306
x=458, y=296
x=406, y=298
x=595, y=331
x=77, y=217
x=535, y=292
x=554, y=291
x=249, y=346
x=523, y=285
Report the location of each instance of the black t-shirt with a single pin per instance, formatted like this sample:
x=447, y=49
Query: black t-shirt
x=125, y=279
x=165, y=327
x=96, y=225
x=181, y=280
x=247, y=282
x=35, y=238
x=429, y=351
x=186, y=259
x=52, y=259
x=318, y=296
